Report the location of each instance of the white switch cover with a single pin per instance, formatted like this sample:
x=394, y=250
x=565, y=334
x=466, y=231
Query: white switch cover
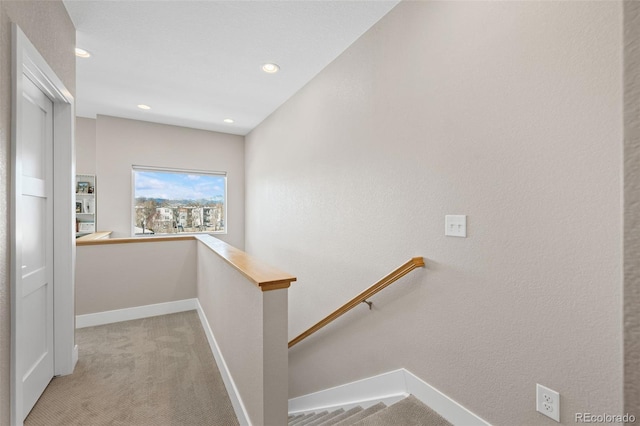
x=455, y=225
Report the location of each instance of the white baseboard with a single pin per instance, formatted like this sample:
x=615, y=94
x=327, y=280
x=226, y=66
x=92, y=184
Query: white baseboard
x=74, y=357
x=452, y=411
x=388, y=388
x=366, y=392
x=127, y=314
x=229, y=384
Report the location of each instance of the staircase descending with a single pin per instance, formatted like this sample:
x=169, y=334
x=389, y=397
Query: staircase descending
x=407, y=412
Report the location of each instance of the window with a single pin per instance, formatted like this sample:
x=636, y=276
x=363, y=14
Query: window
x=168, y=201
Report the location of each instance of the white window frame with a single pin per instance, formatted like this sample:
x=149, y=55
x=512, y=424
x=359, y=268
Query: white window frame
x=138, y=168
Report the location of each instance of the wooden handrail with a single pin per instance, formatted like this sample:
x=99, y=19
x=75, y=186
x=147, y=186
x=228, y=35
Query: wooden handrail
x=416, y=262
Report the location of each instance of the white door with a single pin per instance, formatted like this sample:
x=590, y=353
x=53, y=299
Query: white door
x=34, y=233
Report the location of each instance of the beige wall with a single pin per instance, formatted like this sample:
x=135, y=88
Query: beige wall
x=85, y=146
x=508, y=112
x=632, y=205
x=121, y=143
x=119, y=276
x=49, y=28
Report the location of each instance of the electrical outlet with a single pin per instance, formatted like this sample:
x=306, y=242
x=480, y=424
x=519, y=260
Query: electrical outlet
x=548, y=402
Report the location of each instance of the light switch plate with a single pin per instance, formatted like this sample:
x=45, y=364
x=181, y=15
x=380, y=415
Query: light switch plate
x=455, y=225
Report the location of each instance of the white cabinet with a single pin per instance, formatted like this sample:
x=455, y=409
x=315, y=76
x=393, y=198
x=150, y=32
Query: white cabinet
x=85, y=204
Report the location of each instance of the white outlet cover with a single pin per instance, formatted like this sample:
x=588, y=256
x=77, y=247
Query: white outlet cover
x=455, y=225
x=548, y=402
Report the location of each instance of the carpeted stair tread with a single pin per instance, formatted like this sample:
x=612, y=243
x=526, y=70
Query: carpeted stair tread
x=329, y=416
x=293, y=418
x=298, y=421
x=313, y=418
x=362, y=414
x=341, y=417
x=407, y=412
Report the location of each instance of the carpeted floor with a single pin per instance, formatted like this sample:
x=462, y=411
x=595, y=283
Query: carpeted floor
x=154, y=371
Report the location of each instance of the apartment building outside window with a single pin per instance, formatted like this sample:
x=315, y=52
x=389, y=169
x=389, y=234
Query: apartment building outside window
x=175, y=201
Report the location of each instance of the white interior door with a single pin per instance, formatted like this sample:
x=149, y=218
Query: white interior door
x=34, y=232
x=42, y=132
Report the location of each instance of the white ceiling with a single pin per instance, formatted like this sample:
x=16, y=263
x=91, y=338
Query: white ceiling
x=199, y=62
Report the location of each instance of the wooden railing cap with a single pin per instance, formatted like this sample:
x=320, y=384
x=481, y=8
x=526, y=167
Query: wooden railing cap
x=264, y=276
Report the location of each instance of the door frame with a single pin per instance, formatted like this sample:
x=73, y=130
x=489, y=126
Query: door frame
x=26, y=60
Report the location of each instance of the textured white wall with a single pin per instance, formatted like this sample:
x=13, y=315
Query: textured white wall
x=509, y=112
x=121, y=143
x=632, y=206
x=48, y=27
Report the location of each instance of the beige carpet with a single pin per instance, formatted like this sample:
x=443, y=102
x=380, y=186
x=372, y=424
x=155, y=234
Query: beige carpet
x=407, y=412
x=154, y=371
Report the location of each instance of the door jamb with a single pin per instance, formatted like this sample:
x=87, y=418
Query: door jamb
x=27, y=60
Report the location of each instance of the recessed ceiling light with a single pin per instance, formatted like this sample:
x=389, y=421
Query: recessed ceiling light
x=270, y=68
x=143, y=106
x=228, y=120
x=81, y=53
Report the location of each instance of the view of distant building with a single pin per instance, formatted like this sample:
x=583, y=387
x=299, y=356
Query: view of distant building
x=177, y=218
